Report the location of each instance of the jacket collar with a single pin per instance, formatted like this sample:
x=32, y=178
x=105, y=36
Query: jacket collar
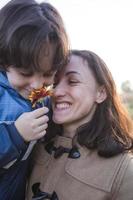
x=91, y=169
x=4, y=80
x=95, y=171
x=5, y=84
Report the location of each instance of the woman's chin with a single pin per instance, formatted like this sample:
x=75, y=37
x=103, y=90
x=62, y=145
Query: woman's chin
x=58, y=120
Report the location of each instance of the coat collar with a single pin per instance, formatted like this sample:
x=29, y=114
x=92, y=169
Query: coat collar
x=95, y=171
x=91, y=169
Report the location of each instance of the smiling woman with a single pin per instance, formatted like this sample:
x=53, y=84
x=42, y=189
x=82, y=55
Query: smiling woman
x=76, y=94
x=86, y=153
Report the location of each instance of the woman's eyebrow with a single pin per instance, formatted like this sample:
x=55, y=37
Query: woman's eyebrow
x=72, y=72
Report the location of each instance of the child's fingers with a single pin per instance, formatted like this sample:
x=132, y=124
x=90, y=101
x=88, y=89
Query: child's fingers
x=41, y=120
x=40, y=111
x=42, y=128
x=41, y=134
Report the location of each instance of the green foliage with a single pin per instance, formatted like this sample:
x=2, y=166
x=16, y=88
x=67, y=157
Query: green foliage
x=126, y=86
x=130, y=108
x=127, y=96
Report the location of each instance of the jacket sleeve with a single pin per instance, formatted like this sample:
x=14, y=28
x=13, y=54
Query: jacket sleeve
x=126, y=187
x=11, y=145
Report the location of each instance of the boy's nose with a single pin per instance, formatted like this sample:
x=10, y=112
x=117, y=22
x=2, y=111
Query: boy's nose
x=37, y=83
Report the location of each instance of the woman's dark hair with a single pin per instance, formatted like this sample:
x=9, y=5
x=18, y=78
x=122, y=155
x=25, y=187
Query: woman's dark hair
x=27, y=29
x=110, y=130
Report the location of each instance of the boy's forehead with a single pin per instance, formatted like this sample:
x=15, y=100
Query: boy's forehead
x=46, y=66
x=46, y=59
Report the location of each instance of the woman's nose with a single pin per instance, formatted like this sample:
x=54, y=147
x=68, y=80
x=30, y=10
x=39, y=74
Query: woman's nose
x=59, y=90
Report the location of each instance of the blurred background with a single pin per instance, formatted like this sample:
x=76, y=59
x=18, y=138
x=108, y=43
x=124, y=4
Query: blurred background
x=105, y=27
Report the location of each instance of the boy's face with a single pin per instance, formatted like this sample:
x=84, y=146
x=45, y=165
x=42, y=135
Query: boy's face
x=24, y=83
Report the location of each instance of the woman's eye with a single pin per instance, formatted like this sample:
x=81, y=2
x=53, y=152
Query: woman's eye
x=73, y=82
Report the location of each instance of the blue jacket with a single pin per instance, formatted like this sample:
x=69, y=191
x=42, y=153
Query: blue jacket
x=14, y=153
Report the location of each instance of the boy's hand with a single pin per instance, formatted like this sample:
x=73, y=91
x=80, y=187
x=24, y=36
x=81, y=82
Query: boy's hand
x=32, y=125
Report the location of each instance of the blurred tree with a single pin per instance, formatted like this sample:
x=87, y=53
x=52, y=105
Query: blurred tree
x=126, y=87
x=127, y=96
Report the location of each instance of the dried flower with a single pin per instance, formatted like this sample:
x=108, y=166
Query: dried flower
x=38, y=95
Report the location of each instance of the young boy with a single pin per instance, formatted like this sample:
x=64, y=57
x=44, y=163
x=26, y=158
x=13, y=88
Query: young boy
x=33, y=46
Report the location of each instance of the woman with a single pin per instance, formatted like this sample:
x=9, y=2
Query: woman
x=87, y=155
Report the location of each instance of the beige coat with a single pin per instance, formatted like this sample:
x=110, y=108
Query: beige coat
x=89, y=177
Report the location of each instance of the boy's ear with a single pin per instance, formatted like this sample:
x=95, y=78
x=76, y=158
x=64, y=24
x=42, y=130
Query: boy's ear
x=101, y=94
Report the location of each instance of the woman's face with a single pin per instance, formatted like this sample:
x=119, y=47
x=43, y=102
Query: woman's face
x=76, y=94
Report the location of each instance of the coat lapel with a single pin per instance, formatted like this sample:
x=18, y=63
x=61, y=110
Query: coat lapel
x=95, y=171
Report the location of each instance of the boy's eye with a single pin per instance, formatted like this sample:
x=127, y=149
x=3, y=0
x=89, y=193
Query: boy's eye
x=26, y=74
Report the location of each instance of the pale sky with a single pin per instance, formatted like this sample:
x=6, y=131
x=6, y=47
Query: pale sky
x=103, y=26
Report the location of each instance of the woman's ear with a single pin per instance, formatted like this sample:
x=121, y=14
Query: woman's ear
x=101, y=94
